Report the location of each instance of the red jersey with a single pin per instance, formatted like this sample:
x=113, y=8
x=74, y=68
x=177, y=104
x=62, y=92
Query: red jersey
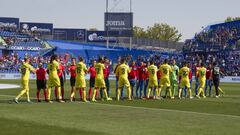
x=208, y=74
x=61, y=70
x=92, y=72
x=146, y=77
x=41, y=74
x=106, y=71
x=133, y=74
x=190, y=75
x=72, y=70
x=158, y=74
x=141, y=73
x=179, y=78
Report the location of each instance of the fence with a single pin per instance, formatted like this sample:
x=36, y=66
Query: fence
x=142, y=43
x=152, y=44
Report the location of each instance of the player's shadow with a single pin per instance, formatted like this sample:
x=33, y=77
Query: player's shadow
x=7, y=102
x=11, y=101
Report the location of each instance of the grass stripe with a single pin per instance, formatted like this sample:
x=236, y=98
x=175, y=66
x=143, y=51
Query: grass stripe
x=167, y=110
x=153, y=109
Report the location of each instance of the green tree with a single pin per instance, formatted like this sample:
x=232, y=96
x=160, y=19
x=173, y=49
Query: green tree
x=93, y=29
x=159, y=32
x=229, y=19
x=139, y=32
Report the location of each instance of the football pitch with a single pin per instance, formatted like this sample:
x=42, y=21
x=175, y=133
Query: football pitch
x=210, y=116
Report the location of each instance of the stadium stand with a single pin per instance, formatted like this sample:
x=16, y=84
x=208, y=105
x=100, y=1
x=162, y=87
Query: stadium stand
x=218, y=42
x=222, y=36
x=67, y=50
x=16, y=41
x=90, y=51
x=13, y=34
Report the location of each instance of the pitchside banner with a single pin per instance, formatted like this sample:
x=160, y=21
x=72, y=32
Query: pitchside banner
x=99, y=36
x=6, y=22
x=69, y=34
x=43, y=28
x=119, y=24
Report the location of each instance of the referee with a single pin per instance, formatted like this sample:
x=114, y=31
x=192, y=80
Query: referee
x=216, y=79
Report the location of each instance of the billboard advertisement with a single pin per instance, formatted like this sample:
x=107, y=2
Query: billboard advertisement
x=43, y=28
x=7, y=22
x=119, y=24
x=99, y=36
x=69, y=34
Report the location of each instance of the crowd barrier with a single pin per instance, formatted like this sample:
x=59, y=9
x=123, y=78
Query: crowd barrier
x=15, y=76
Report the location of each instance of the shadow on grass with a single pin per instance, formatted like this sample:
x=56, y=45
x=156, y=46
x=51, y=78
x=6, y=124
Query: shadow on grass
x=18, y=127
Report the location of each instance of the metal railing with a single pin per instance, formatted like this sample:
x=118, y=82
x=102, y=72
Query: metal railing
x=142, y=43
x=153, y=44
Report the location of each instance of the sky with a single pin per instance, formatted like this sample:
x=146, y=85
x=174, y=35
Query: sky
x=188, y=16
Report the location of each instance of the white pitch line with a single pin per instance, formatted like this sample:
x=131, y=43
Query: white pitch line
x=9, y=86
x=6, y=96
x=153, y=109
x=167, y=110
x=232, y=96
x=15, y=96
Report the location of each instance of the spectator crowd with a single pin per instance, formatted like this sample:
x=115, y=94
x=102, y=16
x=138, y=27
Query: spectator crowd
x=229, y=62
x=220, y=36
x=224, y=37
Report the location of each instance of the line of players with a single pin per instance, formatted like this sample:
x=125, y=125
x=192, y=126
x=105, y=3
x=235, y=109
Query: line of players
x=147, y=77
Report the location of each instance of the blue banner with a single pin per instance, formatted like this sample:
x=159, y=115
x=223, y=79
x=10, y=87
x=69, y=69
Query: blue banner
x=43, y=28
x=7, y=22
x=119, y=24
x=69, y=34
x=99, y=36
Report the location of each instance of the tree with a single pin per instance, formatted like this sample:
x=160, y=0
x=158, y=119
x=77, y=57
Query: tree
x=93, y=29
x=230, y=19
x=139, y=32
x=159, y=32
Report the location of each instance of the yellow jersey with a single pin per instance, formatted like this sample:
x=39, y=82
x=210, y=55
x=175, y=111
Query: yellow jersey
x=152, y=71
x=202, y=73
x=184, y=72
x=99, y=67
x=81, y=69
x=53, y=69
x=122, y=71
x=25, y=70
x=165, y=70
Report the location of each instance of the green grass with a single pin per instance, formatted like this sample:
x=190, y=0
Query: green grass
x=208, y=116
